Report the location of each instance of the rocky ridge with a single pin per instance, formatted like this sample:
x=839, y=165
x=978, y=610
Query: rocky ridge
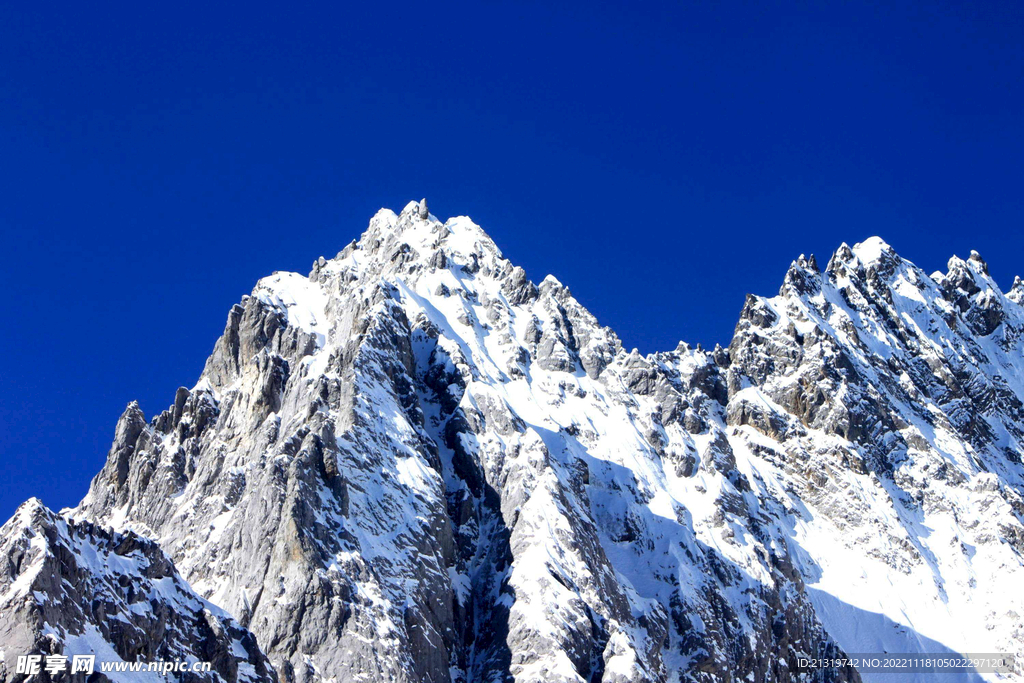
x=75, y=588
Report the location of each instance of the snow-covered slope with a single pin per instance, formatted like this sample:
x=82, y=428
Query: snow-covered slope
x=903, y=394
x=416, y=464
x=70, y=588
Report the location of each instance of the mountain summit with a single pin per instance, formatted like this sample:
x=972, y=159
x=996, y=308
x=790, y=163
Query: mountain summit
x=415, y=464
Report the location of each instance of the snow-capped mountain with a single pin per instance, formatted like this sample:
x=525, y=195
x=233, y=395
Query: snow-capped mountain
x=417, y=465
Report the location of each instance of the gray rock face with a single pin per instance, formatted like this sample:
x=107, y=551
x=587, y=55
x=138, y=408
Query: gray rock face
x=417, y=465
x=70, y=588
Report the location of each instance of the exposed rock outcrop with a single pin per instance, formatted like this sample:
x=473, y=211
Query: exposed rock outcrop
x=71, y=588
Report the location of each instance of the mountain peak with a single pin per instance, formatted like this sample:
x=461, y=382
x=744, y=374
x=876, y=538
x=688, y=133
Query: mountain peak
x=873, y=249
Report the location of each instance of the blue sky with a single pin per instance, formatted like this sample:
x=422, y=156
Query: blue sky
x=662, y=159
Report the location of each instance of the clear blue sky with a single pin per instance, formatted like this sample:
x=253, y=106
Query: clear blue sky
x=662, y=159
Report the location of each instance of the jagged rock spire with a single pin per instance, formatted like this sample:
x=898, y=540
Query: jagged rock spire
x=422, y=210
x=980, y=262
x=1016, y=292
x=840, y=256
